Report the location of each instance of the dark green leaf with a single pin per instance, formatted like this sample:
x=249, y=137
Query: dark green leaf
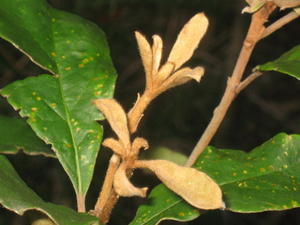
x=16, y=134
x=265, y=179
x=59, y=107
x=16, y=196
x=164, y=204
x=288, y=63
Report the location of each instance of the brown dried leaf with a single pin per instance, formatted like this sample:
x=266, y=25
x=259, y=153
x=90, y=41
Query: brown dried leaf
x=116, y=117
x=146, y=55
x=283, y=4
x=164, y=72
x=124, y=187
x=194, y=186
x=188, y=40
x=137, y=144
x=184, y=75
x=157, y=53
x=114, y=145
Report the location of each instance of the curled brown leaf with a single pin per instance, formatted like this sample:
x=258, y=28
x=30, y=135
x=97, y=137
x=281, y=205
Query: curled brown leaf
x=124, y=187
x=196, y=187
x=146, y=55
x=157, y=53
x=184, y=75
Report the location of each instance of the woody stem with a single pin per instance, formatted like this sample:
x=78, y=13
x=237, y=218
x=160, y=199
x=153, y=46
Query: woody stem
x=254, y=34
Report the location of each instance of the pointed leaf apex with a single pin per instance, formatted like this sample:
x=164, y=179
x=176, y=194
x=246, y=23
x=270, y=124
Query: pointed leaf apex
x=188, y=39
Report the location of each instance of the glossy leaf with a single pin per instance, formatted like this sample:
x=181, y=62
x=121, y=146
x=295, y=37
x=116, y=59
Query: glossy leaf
x=288, y=63
x=16, y=134
x=164, y=204
x=267, y=178
x=59, y=107
x=16, y=196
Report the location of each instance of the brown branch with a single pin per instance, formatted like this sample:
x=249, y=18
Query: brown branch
x=106, y=190
x=254, y=34
x=280, y=23
x=248, y=81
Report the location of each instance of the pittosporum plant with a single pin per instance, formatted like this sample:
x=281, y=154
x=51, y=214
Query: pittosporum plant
x=63, y=107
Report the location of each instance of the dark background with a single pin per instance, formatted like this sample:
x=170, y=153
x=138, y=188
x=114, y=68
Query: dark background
x=177, y=118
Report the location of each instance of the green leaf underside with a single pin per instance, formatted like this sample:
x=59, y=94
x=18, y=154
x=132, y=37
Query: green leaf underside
x=16, y=196
x=288, y=63
x=59, y=107
x=267, y=178
x=164, y=204
x=16, y=134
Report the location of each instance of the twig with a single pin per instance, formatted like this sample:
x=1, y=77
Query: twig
x=106, y=188
x=280, y=23
x=108, y=197
x=248, y=81
x=255, y=31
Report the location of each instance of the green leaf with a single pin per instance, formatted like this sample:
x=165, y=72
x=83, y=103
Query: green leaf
x=16, y=196
x=59, y=107
x=288, y=63
x=16, y=134
x=267, y=178
x=164, y=204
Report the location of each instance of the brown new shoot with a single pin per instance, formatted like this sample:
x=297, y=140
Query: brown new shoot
x=159, y=78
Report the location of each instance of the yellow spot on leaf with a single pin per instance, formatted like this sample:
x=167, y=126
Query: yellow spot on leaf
x=234, y=174
x=53, y=105
x=285, y=166
x=34, y=93
x=262, y=170
x=53, y=54
x=38, y=98
x=63, y=56
x=295, y=204
x=34, y=109
x=68, y=68
x=181, y=214
x=245, y=171
x=81, y=65
x=98, y=93
x=68, y=145
x=68, y=41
